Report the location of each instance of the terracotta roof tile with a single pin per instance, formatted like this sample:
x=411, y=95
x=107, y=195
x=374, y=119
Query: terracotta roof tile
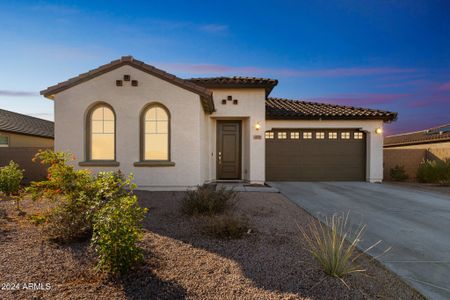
x=18, y=123
x=432, y=135
x=206, y=95
x=286, y=109
x=236, y=82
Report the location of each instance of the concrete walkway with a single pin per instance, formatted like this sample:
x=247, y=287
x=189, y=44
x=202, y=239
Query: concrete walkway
x=415, y=223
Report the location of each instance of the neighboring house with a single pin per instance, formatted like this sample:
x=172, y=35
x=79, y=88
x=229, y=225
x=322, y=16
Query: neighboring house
x=174, y=133
x=21, y=136
x=411, y=148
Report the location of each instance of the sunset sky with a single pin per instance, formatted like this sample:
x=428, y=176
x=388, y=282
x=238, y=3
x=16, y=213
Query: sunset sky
x=391, y=55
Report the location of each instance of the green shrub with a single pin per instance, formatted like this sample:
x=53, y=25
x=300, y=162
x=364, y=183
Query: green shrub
x=334, y=243
x=207, y=201
x=117, y=229
x=10, y=178
x=398, y=173
x=227, y=226
x=434, y=171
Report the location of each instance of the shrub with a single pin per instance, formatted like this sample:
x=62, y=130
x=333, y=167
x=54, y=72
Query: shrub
x=398, y=173
x=434, y=171
x=10, y=178
x=207, y=201
x=334, y=244
x=227, y=227
x=117, y=229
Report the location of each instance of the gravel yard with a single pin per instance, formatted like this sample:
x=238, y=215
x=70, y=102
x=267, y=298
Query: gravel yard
x=182, y=262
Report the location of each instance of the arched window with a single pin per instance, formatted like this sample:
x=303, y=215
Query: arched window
x=155, y=133
x=101, y=133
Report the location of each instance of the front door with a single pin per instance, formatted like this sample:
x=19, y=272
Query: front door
x=228, y=150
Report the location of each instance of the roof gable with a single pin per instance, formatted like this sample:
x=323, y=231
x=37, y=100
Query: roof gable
x=286, y=109
x=23, y=124
x=204, y=93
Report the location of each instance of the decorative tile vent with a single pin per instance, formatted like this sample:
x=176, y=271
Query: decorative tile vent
x=230, y=98
x=126, y=78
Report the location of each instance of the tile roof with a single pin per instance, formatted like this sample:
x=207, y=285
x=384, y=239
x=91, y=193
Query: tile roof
x=286, y=109
x=206, y=95
x=437, y=134
x=18, y=123
x=236, y=82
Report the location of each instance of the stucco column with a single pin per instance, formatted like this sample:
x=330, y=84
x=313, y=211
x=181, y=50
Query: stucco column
x=375, y=156
x=257, y=151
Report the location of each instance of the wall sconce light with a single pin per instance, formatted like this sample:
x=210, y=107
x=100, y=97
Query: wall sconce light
x=379, y=131
x=257, y=126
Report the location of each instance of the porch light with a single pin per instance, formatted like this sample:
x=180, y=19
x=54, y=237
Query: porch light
x=378, y=131
x=257, y=126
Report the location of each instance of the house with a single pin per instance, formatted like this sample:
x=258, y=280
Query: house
x=174, y=133
x=411, y=148
x=21, y=136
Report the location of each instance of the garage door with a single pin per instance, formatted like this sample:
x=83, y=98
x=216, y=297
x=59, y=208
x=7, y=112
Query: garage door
x=315, y=155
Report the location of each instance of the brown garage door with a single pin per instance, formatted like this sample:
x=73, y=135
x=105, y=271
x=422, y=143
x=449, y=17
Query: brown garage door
x=315, y=155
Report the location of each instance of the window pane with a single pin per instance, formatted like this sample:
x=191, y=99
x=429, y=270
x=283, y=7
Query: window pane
x=150, y=127
x=269, y=135
x=151, y=114
x=108, y=127
x=97, y=114
x=108, y=114
x=97, y=126
x=4, y=141
x=156, y=147
x=163, y=127
x=161, y=114
x=102, y=146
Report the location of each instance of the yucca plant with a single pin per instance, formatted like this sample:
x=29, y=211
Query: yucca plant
x=333, y=243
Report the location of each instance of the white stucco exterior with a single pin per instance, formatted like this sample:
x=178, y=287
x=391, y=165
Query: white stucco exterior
x=193, y=131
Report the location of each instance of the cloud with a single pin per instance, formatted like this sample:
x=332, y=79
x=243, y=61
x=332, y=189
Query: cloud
x=214, y=28
x=284, y=72
x=18, y=93
x=445, y=86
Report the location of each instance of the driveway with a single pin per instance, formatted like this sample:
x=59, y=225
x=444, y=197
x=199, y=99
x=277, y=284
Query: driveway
x=415, y=223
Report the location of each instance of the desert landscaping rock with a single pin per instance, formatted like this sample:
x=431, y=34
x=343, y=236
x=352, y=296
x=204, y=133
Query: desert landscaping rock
x=182, y=262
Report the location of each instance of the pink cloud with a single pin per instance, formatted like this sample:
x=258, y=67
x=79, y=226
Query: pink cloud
x=445, y=86
x=287, y=72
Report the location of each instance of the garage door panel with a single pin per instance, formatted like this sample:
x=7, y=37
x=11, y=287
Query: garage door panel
x=315, y=159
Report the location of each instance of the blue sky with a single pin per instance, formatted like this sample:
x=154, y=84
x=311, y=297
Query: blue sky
x=392, y=55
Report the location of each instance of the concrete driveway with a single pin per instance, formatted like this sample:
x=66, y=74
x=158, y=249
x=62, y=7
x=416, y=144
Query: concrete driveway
x=415, y=223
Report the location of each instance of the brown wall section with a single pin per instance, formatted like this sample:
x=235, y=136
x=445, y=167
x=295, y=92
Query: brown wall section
x=22, y=140
x=23, y=156
x=410, y=157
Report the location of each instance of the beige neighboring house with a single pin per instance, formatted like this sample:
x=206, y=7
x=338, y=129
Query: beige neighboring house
x=21, y=136
x=174, y=133
x=411, y=148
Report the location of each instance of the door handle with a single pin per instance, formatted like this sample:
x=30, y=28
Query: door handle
x=220, y=157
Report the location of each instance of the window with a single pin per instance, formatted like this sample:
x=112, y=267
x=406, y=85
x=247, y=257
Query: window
x=320, y=135
x=345, y=135
x=156, y=129
x=269, y=135
x=4, y=141
x=282, y=135
x=295, y=135
x=358, y=135
x=332, y=135
x=101, y=133
x=307, y=135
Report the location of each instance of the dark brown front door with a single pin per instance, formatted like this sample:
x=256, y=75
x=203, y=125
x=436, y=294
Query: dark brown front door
x=228, y=150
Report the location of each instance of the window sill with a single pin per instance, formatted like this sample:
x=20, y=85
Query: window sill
x=154, y=164
x=99, y=163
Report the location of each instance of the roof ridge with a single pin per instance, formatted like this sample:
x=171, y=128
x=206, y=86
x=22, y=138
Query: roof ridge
x=418, y=131
x=24, y=115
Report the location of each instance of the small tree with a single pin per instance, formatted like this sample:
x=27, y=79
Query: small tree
x=10, y=178
x=398, y=173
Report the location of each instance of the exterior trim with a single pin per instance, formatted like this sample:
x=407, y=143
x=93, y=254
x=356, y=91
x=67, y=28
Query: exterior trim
x=87, y=132
x=142, y=134
x=154, y=164
x=99, y=163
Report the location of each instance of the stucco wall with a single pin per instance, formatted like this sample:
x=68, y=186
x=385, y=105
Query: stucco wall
x=374, y=167
x=250, y=109
x=440, y=150
x=22, y=140
x=185, y=109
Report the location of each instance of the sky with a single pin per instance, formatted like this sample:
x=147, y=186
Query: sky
x=390, y=55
